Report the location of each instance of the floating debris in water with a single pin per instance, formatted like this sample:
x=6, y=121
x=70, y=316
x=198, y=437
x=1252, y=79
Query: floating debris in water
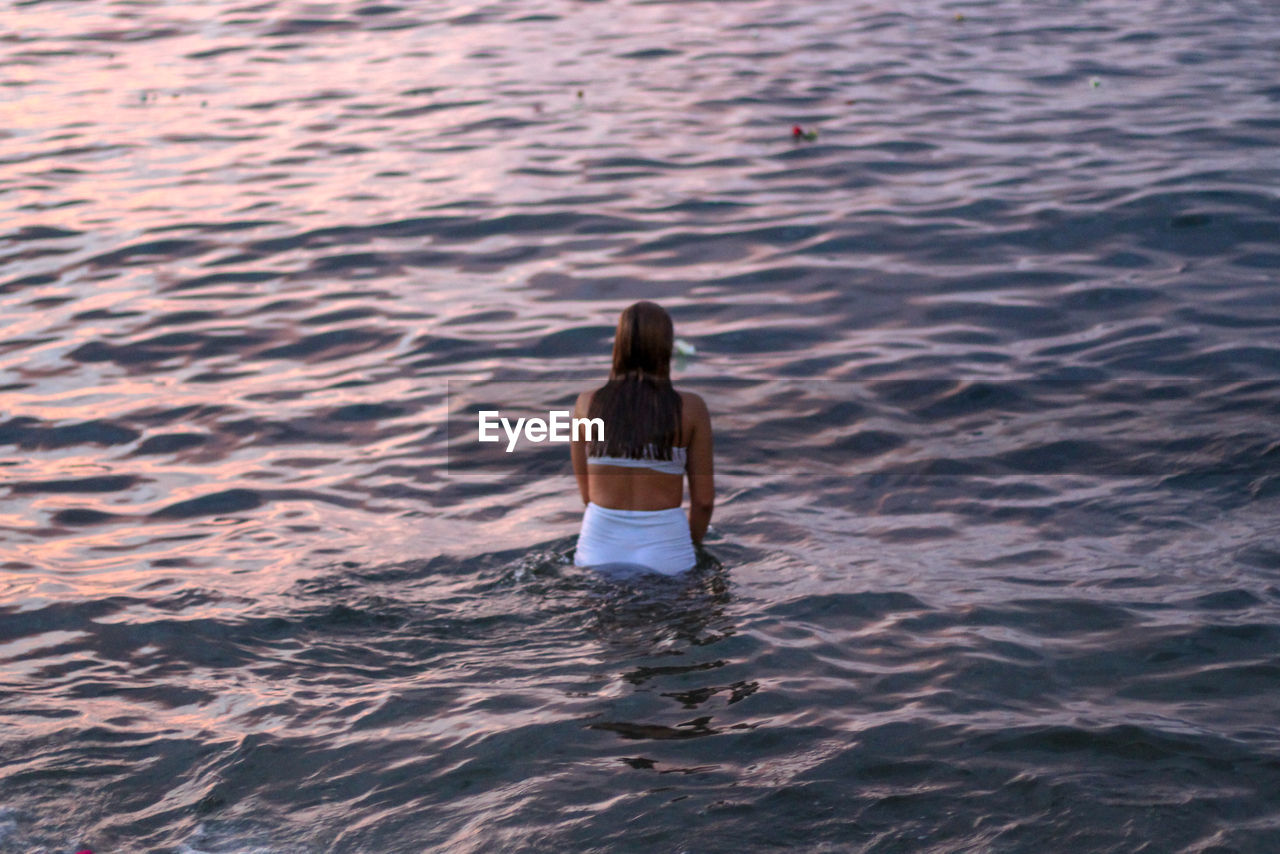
x=798, y=132
x=683, y=352
x=1095, y=82
x=959, y=16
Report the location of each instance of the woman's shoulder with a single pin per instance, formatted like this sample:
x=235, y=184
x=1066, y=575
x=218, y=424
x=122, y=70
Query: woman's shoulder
x=691, y=397
x=692, y=403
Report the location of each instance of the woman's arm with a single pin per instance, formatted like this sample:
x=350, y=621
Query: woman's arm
x=700, y=467
x=578, y=449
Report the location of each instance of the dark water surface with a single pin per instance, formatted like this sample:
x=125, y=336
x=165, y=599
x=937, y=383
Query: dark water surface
x=993, y=362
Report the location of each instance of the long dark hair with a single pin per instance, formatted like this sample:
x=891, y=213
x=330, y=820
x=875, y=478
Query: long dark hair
x=640, y=409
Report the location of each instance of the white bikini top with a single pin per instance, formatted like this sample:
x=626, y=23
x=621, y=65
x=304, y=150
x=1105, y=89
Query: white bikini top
x=675, y=465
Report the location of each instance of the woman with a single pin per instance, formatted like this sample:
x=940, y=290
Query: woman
x=632, y=482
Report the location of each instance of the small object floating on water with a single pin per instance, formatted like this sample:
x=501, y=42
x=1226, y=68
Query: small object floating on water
x=798, y=133
x=959, y=16
x=683, y=352
x=1095, y=82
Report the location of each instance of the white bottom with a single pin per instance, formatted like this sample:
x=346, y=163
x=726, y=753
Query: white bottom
x=656, y=539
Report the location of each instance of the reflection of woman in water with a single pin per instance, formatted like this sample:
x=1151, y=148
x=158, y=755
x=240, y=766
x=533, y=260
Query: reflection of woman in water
x=633, y=481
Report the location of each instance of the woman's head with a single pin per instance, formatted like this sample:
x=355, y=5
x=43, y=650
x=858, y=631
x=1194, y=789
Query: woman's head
x=641, y=410
x=643, y=342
